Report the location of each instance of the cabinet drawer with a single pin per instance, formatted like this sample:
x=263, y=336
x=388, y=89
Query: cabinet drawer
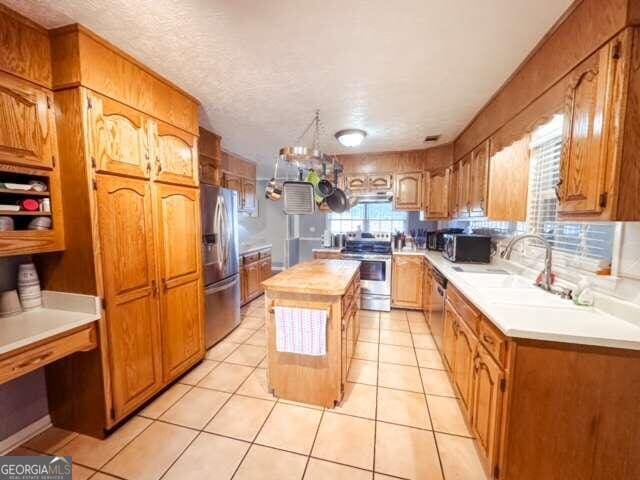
x=465, y=309
x=33, y=358
x=250, y=258
x=265, y=253
x=493, y=340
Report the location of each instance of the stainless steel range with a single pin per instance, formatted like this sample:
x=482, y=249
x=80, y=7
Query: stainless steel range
x=375, y=271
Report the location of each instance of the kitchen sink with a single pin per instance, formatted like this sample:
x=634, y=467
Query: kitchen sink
x=488, y=280
x=530, y=297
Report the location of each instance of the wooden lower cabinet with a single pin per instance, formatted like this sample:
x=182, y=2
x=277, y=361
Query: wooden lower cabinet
x=406, y=281
x=125, y=222
x=178, y=220
x=486, y=399
x=255, y=269
x=449, y=334
x=463, y=355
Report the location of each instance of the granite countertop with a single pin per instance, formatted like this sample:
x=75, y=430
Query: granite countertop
x=60, y=312
x=559, y=321
x=317, y=277
x=250, y=247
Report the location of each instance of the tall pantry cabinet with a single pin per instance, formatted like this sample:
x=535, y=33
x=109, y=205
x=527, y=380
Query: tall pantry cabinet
x=129, y=169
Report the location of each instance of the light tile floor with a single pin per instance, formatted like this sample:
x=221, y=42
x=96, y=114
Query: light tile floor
x=399, y=418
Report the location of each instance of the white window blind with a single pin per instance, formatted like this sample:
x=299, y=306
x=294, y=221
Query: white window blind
x=370, y=217
x=582, y=245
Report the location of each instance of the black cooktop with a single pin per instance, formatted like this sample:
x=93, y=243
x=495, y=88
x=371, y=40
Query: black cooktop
x=368, y=246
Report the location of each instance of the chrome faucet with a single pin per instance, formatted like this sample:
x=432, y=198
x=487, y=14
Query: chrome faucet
x=506, y=254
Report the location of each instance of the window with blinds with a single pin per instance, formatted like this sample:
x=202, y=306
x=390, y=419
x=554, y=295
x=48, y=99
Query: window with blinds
x=369, y=217
x=587, y=246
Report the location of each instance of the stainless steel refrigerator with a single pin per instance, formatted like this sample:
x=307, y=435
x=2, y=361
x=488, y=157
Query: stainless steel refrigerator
x=219, y=207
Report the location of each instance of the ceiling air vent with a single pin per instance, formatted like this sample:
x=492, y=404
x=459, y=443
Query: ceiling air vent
x=432, y=138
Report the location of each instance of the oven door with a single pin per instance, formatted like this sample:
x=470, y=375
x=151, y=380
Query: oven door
x=375, y=273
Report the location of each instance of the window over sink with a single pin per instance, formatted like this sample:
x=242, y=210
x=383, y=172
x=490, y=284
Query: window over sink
x=370, y=217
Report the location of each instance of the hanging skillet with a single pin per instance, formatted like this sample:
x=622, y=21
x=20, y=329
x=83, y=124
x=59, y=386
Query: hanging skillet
x=337, y=201
x=325, y=188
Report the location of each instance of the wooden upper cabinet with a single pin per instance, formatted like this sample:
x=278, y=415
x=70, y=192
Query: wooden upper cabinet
x=479, y=180
x=249, y=200
x=407, y=191
x=176, y=155
x=486, y=405
x=437, y=194
x=27, y=124
x=210, y=157
x=118, y=140
x=464, y=186
x=587, y=124
x=380, y=181
x=233, y=182
x=209, y=170
x=453, y=190
x=357, y=182
x=126, y=236
x=509, y=182
x=178, y=224
x=406, y=285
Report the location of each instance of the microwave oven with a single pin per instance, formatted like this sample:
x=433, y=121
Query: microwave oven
x=467, y=248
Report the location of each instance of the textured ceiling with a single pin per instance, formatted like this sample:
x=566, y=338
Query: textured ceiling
x=400, y=70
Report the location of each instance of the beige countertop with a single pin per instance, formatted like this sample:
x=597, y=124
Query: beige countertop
x=250, y=247
x=518, y=314
x=60, y=312
x=317, y=277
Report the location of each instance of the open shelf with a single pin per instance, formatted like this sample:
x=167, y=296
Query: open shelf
x=23, y=213
x=28, y=193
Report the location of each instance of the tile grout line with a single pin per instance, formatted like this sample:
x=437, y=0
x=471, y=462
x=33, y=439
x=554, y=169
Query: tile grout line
x=313, y=444
x=435, y=438
x=375, y=416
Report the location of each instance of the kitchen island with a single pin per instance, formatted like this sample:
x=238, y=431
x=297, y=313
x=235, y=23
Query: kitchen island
x=331, y=286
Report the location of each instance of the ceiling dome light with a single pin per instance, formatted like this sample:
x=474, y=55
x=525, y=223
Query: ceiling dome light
x=351, y=137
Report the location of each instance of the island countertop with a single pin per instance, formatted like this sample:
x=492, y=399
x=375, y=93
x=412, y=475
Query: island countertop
x=317, y=277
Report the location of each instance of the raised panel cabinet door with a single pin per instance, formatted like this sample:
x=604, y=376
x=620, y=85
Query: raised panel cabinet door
x=486, y=404
x=380, y=181
x=178, y=246
x=126, y=236
x=479, y=180
x=118, y=140
x=253, y=279
x=265, y=269
x=356, y=182
x=234, y=182
x=464, y=186
x=465, y=348
x=27, y=123
x=176, y=155
x=209, y=170
x=406, y=281
x=407, y=191
x=248, y=195
x=449, y=334
x=453, y=190
x=587, y=120
x=438, y=200
x=509, y=182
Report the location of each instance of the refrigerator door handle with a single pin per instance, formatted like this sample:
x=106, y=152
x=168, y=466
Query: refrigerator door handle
x=225, y=285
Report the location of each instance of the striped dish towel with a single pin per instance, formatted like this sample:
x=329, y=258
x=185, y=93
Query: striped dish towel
x=301, y=330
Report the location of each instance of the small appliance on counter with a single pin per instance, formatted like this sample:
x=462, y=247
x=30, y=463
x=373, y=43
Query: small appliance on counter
x=327, y=239
x=340, y=240
x=435, y=239
x=467, y=248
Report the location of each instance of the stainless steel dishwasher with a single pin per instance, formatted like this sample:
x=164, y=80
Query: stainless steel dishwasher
x=436, y=305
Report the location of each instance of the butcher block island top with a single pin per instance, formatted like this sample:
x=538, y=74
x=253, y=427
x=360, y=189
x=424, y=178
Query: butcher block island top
x=317, y=277
x=324, y=291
